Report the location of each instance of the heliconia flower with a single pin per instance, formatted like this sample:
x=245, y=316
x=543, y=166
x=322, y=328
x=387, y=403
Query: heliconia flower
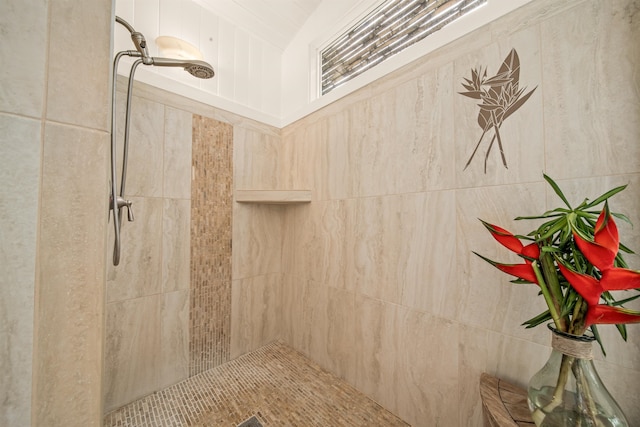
x=508, y=240
x=587, y=286
x=620, y=279
x=522, y=271
x=511, y=242
x=606, y=314
x=602, y=251
x=606, y=230
x=590, y=288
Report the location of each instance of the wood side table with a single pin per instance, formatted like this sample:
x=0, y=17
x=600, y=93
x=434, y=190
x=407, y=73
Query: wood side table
x=503, y=404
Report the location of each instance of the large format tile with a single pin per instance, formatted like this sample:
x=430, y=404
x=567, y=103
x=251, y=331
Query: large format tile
x=378, y=345
x=345, y=132
x=304, y=159
x=428, y=262
x=133, y=350
x=423, y=120
x=178, y=131
x=174, y=338
x=255, y=159
x=70, y=280
x=176, y=244
x=407, y=146
x=255, y=312
x=140, y=270
x=79, y=93
x=341, y=332
x=373, y=249
x=592, y=111
x=24, y=30
x=305, y=316
x=20, y=175
x=320, y=229
x=427, y=369
x=146, y=147
x=376, y=155
x=257, y=244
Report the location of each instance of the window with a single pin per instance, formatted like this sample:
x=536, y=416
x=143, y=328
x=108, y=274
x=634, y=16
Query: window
x=392, y=27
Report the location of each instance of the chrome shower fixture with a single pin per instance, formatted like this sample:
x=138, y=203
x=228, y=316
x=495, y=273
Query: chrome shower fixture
x=197, y=68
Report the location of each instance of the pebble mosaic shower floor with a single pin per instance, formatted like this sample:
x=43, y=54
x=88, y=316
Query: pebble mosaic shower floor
x=275, y=384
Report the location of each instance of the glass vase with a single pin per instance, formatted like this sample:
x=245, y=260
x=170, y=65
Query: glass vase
x=567, y=391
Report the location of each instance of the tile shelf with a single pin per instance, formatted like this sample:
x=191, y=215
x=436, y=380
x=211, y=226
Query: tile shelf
x=279, y=197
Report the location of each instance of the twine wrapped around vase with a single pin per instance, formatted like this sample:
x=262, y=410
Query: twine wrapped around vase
x=578, y=348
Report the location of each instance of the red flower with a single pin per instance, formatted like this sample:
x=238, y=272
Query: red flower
x=602, y=253
x=529, y=253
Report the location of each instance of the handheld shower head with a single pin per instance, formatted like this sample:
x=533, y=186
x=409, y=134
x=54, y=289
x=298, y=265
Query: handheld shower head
x=200, y=69
x=196, y=68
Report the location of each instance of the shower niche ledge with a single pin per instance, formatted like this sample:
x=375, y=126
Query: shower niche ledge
x=273, y=197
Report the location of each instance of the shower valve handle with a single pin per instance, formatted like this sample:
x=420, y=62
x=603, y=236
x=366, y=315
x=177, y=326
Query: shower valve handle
x=122, y=202
x=129, y=211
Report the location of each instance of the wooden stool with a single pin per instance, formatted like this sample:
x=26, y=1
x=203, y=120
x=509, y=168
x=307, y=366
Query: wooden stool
x=503, y=404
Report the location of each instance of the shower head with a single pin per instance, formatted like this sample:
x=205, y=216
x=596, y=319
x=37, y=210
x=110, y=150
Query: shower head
x=196, y=68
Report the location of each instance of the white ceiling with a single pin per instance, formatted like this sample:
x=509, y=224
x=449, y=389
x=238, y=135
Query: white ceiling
x=276, y=21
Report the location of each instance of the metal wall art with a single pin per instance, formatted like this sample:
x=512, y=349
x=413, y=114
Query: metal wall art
x=500, y=97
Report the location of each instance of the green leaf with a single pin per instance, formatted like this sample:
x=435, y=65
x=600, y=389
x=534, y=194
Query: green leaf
x=555, y=187
x=538, y=320
x=622, y=328
x=605, y=196
x=624, y=301
x=556, y=226
x=596, y=335
x=622, y=217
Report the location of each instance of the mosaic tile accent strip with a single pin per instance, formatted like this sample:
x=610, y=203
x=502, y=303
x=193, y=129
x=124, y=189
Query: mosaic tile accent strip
x=211, y=216
x=275, y=383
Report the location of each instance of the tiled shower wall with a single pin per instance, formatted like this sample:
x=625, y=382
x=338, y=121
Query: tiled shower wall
x=380, y=285
x=148, y=293
x=53, y=202
x=169, y=310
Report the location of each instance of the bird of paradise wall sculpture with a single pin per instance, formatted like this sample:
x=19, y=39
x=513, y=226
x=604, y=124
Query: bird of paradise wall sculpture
x=500, y=97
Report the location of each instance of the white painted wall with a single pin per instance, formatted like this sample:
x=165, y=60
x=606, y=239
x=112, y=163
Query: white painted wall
x=248, y=69
x=256, y=79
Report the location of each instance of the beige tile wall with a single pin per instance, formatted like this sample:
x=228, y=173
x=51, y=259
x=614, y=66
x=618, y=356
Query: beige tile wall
x=20, y=149
x=380, y=285
x=147, y=311
x=173, y=309
x=53, y=211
